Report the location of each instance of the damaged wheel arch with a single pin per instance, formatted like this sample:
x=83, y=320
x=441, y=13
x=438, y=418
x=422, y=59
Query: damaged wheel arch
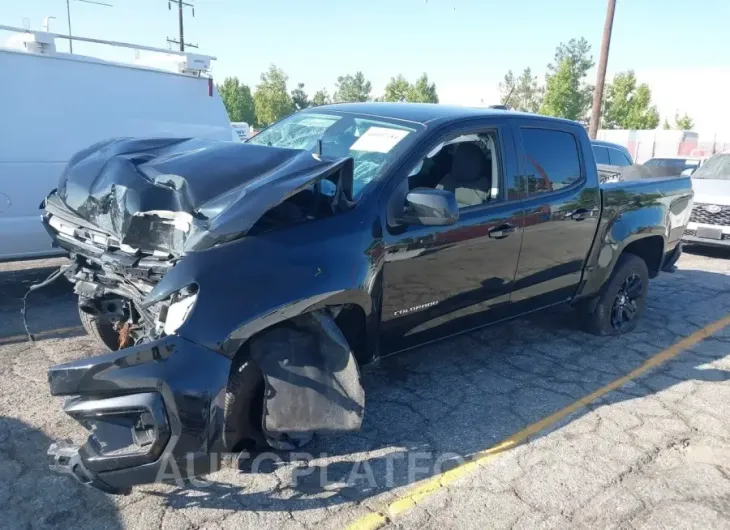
x=291, y=380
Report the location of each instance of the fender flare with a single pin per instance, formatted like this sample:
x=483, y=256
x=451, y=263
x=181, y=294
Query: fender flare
x=615, y=236
x=238, y=337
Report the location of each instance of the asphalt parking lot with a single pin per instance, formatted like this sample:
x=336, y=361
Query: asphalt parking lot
x=561, y=429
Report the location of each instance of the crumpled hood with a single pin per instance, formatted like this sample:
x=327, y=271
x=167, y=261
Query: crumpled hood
x=177, y=195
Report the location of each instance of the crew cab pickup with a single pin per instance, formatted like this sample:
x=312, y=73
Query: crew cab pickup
x=240, y=286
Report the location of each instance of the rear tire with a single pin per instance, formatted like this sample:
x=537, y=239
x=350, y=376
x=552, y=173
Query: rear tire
x=101, y=329
x=622, y=301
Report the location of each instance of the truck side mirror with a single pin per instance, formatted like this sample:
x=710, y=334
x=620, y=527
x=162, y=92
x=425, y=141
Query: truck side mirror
x=426, y=206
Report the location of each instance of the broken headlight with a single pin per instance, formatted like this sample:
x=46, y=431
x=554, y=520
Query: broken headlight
x=172, y=316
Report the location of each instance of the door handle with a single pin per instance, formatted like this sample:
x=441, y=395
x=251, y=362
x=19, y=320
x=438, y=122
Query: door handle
x=580, y=214
x=502, y=231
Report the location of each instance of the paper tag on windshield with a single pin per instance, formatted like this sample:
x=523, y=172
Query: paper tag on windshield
x=379, y=140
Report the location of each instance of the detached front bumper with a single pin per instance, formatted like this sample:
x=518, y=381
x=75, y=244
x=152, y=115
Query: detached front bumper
x=154, y=413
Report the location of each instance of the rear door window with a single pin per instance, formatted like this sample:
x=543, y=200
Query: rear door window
x=552, y=160
x=601, y=155
x=618, y=158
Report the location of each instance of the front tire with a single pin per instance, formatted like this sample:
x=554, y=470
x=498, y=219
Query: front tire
x=622, y=301
x=243, y=412
x=100, y=329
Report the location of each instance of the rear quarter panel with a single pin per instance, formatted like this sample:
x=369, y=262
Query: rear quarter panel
x=658, y=207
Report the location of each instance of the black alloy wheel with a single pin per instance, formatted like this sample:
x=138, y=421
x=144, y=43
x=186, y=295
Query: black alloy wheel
x=625, y=307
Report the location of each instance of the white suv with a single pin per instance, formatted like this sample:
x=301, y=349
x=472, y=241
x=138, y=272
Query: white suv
x=709, y=223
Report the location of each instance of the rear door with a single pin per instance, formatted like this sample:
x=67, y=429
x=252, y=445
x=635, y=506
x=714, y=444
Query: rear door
x=561, y=202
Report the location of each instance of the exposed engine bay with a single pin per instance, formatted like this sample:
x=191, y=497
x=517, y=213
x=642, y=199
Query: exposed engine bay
x=114, y=294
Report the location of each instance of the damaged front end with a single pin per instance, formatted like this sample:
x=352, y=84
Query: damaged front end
x=167, y=197
x=153, y=412
x=169, y=410
x=129, y=210
x=148, y=224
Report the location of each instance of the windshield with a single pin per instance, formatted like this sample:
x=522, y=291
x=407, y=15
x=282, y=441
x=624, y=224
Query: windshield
x=716, y=168
x=372, y=143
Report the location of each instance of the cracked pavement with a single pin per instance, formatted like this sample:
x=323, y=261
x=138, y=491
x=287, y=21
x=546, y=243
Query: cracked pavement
x=653, y=454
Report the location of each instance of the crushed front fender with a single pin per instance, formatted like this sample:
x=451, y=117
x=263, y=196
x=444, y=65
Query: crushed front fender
x=312, y=378
x=154, y=413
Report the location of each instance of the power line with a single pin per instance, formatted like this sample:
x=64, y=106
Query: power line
x=181, y=39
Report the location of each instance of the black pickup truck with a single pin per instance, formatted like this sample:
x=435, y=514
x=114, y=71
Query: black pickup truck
x=240, y=286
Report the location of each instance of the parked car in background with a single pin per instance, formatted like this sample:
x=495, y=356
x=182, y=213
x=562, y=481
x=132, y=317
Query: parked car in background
x=709, y=223
x=676, y=165
x=82, y=100
x=242, y=299
x=610, y=159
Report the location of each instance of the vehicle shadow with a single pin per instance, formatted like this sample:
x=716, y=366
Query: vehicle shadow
x=51, y=311
x=33, y=497
x=710, y=252
x=432, y=407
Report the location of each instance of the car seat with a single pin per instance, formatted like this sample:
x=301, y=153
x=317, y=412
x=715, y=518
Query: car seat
x=470, y=178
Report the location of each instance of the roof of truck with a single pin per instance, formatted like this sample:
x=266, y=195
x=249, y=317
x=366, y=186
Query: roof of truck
x=423, y=112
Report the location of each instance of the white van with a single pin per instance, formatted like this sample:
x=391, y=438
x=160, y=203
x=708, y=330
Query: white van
x=79, y=101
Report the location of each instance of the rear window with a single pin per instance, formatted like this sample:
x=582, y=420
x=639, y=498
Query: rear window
x=552, y=160
x=601, y=155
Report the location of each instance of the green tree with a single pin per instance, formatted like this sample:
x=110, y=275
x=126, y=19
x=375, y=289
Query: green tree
x=237, y=100
x=271, y=99
x=683, y=122
x=523, y=93
x=352, y=88
x=422, y=91
x=562, y=94
x=571, y=64
x=397, y=89
x=578, y=51
x=321, y=97
x=628, y=105
x=299, y=97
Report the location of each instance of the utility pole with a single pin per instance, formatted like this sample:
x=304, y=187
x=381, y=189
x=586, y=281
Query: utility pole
x=181, y=39
x=603, y=61
x=68, y=14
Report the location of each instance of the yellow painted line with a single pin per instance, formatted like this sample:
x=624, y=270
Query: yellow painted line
x=418, y=494
x=41, y=334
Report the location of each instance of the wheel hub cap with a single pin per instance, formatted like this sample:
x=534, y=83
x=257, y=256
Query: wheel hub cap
x=625, y=305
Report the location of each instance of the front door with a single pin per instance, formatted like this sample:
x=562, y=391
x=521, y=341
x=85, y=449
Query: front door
x=442, y=280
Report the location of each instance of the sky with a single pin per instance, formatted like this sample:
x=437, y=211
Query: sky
x=679, y=48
